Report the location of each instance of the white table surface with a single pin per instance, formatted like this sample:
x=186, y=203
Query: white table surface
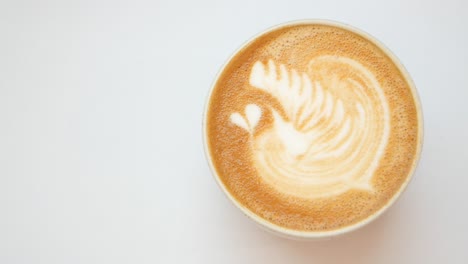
x=101, y=159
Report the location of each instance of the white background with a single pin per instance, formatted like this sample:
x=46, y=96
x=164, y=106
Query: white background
x=101, y=158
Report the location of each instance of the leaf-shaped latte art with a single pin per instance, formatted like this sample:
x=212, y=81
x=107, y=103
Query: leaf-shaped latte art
x=332, y=130
x=252, y=114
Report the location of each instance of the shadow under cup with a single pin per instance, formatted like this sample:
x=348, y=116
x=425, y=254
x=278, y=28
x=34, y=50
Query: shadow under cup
x=253, y=104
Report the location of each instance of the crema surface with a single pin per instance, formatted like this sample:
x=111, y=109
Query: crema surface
x=312, y=127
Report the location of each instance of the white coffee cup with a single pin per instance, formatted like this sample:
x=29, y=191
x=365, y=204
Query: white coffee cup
x=308, y=235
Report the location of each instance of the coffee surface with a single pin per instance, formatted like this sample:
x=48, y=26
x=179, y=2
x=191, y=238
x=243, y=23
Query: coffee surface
x=312, y=127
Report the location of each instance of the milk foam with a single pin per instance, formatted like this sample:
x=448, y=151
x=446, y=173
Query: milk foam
x=321, y=142
x=250, y=121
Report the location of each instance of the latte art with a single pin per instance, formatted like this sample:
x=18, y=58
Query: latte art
x=312, y=128
x=324, y=144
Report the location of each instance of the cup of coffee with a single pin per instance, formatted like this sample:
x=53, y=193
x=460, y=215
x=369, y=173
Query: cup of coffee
x=313, y=129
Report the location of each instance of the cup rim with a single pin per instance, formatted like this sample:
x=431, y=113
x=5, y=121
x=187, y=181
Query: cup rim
x=309, y=235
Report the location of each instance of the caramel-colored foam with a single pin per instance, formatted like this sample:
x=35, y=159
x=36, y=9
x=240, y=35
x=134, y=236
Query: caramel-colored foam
x=312, y=127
